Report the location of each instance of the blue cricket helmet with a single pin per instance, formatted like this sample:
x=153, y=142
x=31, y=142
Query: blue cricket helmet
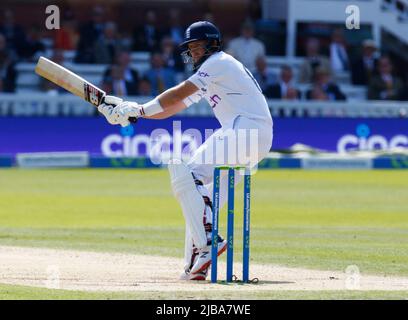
x=201, y=30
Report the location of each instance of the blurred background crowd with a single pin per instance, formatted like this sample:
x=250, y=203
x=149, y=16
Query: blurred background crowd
x=110, y=35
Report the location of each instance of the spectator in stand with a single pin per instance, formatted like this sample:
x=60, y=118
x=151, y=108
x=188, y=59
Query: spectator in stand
x=33, y=46
x=365, y=67
x=263, y=74
x=176, y=30
x=89, y=35
x=246, y=48
x=66, y=38
x=14, y=34
x=171, y=55
x=117, y=85
x=385, y=85
x=8, y=73
x=313, y=60
x=146, y=36
x=160, y=77
x=108, y=45
x=338, y=54
x=121, y=77
x=284, y=89
x=323, y=88
x=145, y=87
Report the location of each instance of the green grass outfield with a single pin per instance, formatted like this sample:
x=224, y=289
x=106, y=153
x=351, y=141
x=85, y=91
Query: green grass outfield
x=314, y=219
x=8, y=292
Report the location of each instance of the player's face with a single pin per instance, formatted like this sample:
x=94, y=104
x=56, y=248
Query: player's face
x=197, y=49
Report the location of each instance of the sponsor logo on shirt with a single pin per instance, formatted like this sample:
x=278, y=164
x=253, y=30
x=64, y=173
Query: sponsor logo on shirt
x=215, y=99
x=203, y=74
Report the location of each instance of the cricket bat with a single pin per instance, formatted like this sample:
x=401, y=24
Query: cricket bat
x=71, y=82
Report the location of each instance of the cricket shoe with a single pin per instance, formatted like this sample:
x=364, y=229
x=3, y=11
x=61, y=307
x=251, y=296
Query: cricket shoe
x=204, y=256
x=200, y=276
x=187, y=275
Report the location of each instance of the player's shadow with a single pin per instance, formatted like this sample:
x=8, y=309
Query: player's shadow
x=275, y=282
x=257, y=282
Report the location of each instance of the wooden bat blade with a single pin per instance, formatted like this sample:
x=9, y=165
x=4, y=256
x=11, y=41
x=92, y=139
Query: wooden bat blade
x=69, y=81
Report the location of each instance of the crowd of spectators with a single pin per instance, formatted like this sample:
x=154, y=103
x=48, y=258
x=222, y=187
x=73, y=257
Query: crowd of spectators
x=99, y=41
x=318, y=71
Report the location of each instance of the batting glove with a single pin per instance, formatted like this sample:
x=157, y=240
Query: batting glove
x=117, y=111
x=126, y=110
x=106, y=108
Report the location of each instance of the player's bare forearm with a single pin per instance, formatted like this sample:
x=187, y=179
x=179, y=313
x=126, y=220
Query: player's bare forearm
x=168, y=112
x=171, y=100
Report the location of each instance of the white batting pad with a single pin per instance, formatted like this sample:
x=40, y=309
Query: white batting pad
x=192, y=203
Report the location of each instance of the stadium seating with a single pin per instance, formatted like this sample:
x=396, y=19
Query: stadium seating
x=39, y=104
x=28, y=81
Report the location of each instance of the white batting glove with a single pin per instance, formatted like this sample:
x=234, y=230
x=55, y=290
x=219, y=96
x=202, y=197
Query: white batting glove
x=106, y=108
x=126, y=110
x=117, y=111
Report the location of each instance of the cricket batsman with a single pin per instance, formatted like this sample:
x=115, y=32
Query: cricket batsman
x=238, y=104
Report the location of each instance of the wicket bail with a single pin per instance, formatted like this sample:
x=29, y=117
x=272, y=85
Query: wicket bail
x=230, y=223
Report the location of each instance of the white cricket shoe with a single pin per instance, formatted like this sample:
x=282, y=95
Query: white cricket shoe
x=203, y=261
x=201, y=276
x=187, y=275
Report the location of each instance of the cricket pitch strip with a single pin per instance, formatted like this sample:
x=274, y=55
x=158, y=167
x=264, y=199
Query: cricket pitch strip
x=94, y=271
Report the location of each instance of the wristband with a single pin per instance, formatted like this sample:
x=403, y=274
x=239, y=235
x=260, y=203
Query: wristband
x=151, y=108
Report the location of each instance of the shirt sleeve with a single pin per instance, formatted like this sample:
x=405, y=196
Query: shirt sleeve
x=210, y=71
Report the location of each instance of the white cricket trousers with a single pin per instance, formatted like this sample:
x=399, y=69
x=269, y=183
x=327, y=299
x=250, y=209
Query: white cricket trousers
x=243, y=142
